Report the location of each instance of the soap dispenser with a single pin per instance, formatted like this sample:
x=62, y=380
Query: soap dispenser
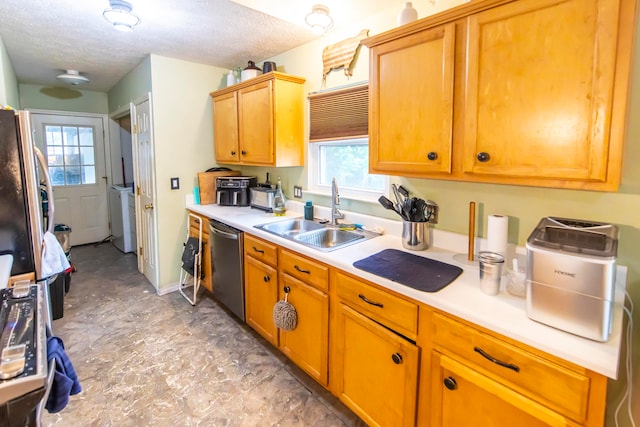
x=308, y=210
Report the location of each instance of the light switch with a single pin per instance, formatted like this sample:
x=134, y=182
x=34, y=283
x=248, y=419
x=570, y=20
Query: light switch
x=175, y=183
x=297, y=191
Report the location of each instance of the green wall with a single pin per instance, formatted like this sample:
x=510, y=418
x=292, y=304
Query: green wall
x=62, y=98
x=131, y=87
x=8, y=81
x=183, y=135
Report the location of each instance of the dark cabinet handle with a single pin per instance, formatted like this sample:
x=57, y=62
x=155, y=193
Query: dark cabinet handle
x=233, y=153
x=432, y=155
x=267, y=279
x=483, y=157
x=244, y=153
x=450, y=383
x=286, y=289
x=496, y=361
x=365, y=299
x=397, y=358
x=301, y=270
x=260, y=251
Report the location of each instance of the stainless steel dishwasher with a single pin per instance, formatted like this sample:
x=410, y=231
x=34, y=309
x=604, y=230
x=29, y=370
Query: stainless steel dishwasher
x=227, y=269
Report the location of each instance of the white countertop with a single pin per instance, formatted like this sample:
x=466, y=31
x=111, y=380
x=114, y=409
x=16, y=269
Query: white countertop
x=504, y=313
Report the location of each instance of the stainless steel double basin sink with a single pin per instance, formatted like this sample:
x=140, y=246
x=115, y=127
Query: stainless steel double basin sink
x=323, y=237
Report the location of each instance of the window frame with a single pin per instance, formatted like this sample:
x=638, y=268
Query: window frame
x=313, y=179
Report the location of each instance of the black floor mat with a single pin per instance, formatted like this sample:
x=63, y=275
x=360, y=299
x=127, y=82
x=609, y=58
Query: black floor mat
x=417, y=272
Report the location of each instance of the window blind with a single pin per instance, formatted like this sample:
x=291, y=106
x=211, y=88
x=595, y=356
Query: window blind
x=340, y=113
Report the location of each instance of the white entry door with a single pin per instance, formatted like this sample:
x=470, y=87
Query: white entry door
x=74, y=148
x=144, y=178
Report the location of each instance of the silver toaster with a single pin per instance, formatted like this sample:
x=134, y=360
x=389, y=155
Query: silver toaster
x=571, y=267
x=262, y=197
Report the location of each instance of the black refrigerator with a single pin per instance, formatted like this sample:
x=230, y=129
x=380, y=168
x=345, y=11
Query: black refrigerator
x=25, y=311
x=20, y=210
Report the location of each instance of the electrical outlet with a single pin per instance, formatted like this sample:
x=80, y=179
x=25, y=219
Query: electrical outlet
x=297, y=192
x=175, y=183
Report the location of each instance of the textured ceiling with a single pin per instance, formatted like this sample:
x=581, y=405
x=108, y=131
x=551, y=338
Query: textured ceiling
x=45, y=37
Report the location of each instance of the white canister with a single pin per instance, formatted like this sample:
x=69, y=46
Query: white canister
x=231, y=78
x=407, y=14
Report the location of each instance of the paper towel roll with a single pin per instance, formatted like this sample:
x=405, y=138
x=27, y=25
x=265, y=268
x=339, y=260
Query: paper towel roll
x=497, y=231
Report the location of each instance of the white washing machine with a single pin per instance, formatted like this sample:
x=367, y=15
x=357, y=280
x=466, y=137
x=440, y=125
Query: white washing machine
x=122, y=228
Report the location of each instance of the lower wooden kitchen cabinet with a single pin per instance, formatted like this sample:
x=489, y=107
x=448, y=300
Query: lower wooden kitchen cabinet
x=205, y=260
x=308, y=284
x=375, y=368
x=396, y=362
x=260, y=287
x=499, y=382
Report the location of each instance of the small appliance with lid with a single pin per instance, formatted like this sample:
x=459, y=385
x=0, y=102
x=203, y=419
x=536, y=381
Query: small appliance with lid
x=571, y=267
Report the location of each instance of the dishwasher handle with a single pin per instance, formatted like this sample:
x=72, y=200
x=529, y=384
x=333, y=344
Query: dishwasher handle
x=214, y=228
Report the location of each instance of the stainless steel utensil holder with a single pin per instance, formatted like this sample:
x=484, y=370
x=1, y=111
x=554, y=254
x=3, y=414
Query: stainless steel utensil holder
x=415, y=235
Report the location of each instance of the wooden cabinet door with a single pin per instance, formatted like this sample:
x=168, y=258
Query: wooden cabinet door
x=411, y=104
x=261, y=294
x=539, y=89
x=463, y=397
x=308, y=344
x=225, y=128
x=255, y=104
x=376, y=370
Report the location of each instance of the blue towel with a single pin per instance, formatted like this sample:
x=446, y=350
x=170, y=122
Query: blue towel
x=65, y=381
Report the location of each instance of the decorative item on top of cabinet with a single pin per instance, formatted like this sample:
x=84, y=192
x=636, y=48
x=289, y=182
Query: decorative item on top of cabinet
x=521, y=111
x=260, y=122
x=407, y=14
x=341, y=55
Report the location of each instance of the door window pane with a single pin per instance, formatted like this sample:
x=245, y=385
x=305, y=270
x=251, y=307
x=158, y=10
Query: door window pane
x=71, y=155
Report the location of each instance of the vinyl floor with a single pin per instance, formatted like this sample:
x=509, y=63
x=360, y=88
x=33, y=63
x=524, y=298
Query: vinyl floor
x=150, y=360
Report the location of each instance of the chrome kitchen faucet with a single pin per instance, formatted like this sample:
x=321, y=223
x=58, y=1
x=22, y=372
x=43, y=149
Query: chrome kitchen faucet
x=335, y=202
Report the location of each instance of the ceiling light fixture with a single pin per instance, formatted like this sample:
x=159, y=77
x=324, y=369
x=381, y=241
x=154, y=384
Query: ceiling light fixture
x=73, y=77
x=319, y=19
x=120, y=15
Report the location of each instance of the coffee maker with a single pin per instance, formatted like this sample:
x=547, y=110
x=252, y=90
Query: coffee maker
x=234, y=190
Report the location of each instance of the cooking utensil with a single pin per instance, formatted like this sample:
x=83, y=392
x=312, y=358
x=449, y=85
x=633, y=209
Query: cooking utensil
x=404, y=192
x=388, y=204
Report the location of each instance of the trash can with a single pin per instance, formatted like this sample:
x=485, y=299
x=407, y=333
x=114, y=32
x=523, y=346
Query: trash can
x=63, y=234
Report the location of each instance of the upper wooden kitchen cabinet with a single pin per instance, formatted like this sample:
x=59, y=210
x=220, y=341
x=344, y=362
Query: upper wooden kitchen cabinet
x=260, y=122
x=540, y=91
x=411, y=103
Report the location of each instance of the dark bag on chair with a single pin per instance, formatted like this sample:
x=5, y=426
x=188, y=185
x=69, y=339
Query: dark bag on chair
x=191, y=249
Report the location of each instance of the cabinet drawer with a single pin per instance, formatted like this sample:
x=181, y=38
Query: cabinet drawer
x=260, y=249
x=310, y=272
x=395, y=313
x=553, y=385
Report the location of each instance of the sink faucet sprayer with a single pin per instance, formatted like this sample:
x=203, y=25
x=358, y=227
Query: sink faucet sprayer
x=335, y=202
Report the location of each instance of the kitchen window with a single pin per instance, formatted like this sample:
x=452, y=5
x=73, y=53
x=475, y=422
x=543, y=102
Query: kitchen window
x=339, y=144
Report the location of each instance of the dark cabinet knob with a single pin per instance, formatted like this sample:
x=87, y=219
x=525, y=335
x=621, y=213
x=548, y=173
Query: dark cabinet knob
x=483, y=157
x=233, y=153
x=432, y=155
x=244, y=153
x=450, y=383
x=397, y=358
x=267, y=278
